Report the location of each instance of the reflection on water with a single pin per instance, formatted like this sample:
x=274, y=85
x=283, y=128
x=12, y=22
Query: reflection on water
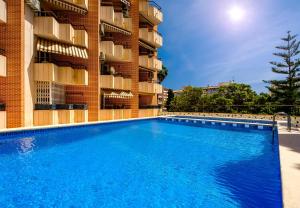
x=26, y=145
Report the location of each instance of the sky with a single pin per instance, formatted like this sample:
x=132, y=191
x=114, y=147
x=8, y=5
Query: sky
x=212, y=41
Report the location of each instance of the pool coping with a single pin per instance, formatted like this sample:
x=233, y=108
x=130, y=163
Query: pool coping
x=60, y=126
x=289, y=153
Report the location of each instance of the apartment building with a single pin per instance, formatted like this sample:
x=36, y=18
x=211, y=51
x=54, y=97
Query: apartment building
x=76, y=61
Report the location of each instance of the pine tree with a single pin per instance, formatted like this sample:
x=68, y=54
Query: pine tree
x=162, y=74
x=287, y=91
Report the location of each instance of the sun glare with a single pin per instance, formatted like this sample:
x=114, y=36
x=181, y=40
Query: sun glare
x=236, y=14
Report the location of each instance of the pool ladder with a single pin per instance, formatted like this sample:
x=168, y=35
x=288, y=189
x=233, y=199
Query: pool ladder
x=289, y=123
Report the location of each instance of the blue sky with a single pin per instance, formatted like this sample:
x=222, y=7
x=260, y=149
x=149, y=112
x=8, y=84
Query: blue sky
x=203, y=46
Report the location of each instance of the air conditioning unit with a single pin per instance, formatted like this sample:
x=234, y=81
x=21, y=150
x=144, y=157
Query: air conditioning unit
x=102, y=30
x=102, y=56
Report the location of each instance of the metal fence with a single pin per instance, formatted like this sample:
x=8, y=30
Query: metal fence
x=246, y=109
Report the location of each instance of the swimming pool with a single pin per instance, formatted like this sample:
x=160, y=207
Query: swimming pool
x=147, y=163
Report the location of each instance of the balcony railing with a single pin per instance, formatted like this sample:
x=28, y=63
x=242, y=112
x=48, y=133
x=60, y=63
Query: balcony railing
x=114, y=52
x=113, y=82
x=49, y=72
x=3, y=12
x=2, y=116
x=151, y=37
x=53, y=117
x=151, y=11
x=114, y=114
x=48, y=27
x=2, y=65
x=150, y=88
x=81, y=3
x=150, y=63
x=115, y=18
x=148, y=113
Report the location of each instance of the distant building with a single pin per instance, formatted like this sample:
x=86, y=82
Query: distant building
x=177, y=92
x=162, y=98
x=213, y=89
x=207, y=90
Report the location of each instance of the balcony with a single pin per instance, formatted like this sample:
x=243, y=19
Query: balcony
x=114, y=114
x=151, y=37
x=114, y=52
x=2, y=116
x=49, y=72
x=76, y=6
x=54, y=117
x=108, y=15
x=150, y=63
x=113, y=82
x=80, y=3
x=81, y=38
x=3, y=12
x=48, y=27
x=150, y=88
x=148, y=113
x=2, y=65
x=151, y=12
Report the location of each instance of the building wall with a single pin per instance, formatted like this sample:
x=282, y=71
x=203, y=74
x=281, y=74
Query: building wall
x=135, y=58
x=29, y=55
x=12, y=40
x=18, y=90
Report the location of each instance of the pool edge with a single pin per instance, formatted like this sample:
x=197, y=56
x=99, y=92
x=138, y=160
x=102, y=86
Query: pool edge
x=289, y=154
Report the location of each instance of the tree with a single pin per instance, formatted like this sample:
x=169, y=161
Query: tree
x=286, y=91
x=188, y=100
x=162, y=74
x=170, y=98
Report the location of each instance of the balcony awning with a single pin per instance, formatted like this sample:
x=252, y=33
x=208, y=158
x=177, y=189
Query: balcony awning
x=125, y=2
x=50, y=46
x=68, y=6
x=35, y=5
x=114, y=29
x=121, y=95
x=144, y=45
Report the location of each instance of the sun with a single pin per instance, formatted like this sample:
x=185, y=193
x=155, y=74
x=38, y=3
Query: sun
x=236, y=14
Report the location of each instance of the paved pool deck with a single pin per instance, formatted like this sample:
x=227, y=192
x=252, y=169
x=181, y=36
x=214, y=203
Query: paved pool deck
x=289, y=150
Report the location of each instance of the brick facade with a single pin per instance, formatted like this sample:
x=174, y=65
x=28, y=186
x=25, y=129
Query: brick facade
x=12, y=42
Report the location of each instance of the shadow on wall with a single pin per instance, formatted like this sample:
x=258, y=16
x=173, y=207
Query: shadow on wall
x=253, y=183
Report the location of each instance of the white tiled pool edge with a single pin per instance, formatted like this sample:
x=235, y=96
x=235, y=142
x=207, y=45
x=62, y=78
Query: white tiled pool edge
x=289, y=151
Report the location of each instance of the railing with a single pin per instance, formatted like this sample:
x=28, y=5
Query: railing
x=47, y=26
x=2, y=120
x=115, y=82
x=115, y=18
x=150, y=88
x=293, y=110
x=114, y=114
x=3, y=12
x=81, y=3
x=54, y=117
x=2, y=64
x=151, y=11
x=115, y=52
x=63, y=75
x=148, y=113
x=151, y=37
x=150, y=63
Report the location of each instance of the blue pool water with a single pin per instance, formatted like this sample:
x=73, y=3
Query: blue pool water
x=140, y=164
